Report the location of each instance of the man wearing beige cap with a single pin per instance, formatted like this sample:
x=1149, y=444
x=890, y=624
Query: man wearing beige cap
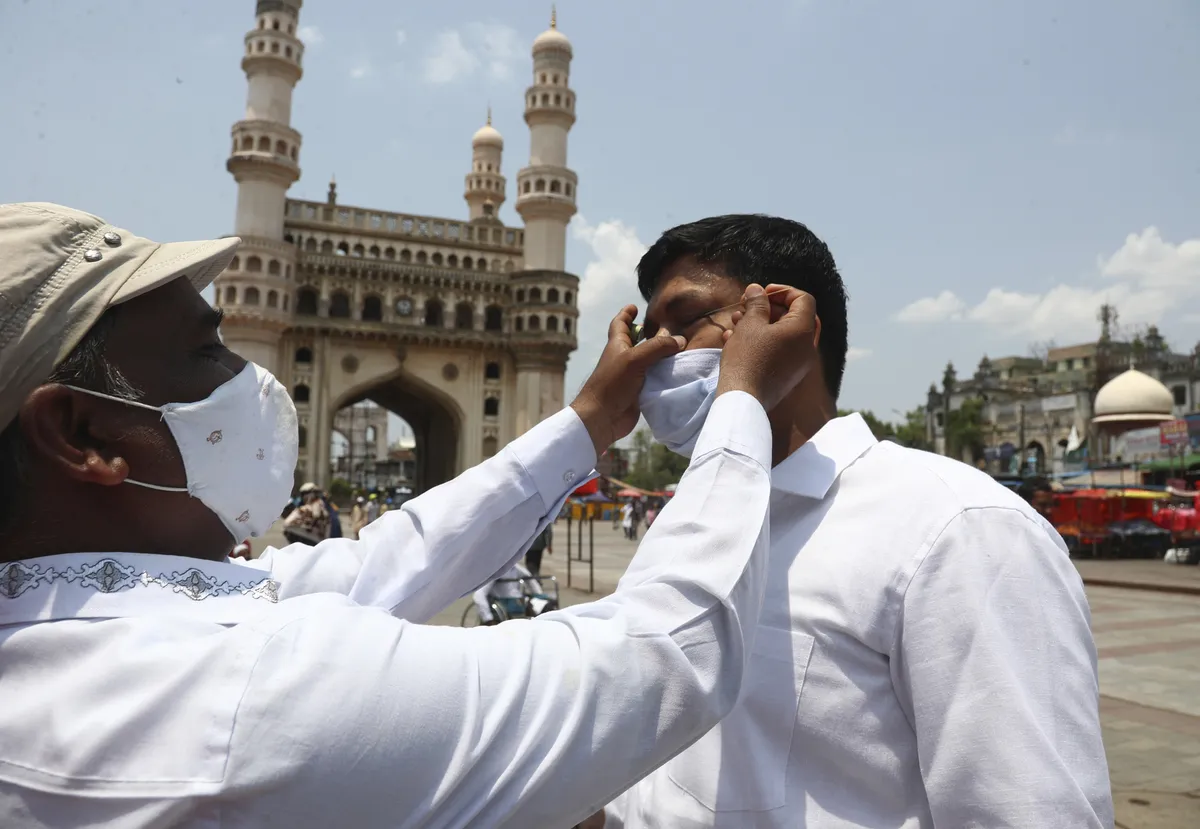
x=147, y=680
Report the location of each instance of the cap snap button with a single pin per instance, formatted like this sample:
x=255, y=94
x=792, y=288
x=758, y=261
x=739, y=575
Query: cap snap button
x=93, y=255
x=112, y=240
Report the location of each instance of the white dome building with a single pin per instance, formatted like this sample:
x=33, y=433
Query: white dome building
x=1132, y=400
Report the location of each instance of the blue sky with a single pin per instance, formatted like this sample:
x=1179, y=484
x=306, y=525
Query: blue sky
x=985, y=173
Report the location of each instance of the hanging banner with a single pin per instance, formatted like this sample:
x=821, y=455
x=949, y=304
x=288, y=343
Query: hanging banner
x=1174, y=433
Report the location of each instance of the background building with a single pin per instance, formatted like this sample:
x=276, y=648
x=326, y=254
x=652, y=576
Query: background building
x=1036, y=412
x=462, y=327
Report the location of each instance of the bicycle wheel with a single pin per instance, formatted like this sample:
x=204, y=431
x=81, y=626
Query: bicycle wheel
x=470, y=617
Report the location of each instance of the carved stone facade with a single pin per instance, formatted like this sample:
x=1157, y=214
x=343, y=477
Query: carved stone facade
x=458, y=326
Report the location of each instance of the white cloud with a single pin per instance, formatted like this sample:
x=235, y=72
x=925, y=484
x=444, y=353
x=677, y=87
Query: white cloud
x=449, y=60
x=610, y=276
x=401, y=37
x=944, y=306
x=361, y=70
x=499, y=47
x=1146, y=278
x=1153, y=262
x=853, y=354
x=608, y=283
x=494, y=48
x=310, y=35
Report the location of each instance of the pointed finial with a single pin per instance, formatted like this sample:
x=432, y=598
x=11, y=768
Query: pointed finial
x=489, y=120
x=553, y=16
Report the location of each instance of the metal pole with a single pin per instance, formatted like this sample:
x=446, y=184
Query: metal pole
x=568, y=547
x=580, y=538
x=591, y=554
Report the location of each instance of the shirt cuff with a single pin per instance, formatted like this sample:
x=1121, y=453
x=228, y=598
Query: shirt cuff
x=558, y=455
x=736, y=422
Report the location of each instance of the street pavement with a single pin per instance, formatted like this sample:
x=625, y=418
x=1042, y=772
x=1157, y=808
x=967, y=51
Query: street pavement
x=1148, y=644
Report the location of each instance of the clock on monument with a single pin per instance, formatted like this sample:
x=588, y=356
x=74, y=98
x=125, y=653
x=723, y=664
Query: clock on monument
x=404, y=306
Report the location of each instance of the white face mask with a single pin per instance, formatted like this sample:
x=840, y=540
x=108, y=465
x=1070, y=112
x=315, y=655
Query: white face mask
x=677, y=395
x=239, y=447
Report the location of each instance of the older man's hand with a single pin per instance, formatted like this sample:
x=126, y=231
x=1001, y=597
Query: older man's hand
x=608, y=402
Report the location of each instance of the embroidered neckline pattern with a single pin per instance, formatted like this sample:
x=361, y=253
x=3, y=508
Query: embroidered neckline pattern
x=111, y=576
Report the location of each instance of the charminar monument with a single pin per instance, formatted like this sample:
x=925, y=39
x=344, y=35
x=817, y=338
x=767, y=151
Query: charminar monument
x=460, y=326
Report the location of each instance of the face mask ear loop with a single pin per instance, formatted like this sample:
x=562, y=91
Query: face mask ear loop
x=162, y=418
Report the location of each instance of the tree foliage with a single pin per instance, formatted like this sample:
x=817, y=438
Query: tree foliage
x=655, y=466
x=964, y=431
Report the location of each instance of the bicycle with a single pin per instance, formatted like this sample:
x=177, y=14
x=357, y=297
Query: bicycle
x=530, y=604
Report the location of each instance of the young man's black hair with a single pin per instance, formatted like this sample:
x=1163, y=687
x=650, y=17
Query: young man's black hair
x=762, y=249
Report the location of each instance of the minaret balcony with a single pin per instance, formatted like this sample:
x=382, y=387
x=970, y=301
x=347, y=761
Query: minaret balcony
x=273, y=52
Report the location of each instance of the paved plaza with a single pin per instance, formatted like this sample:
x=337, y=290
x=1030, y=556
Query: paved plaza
x=1148, y=643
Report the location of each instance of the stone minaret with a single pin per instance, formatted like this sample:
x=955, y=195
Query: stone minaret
x=485, y=186
x=546, y=188
x=264, y=161
x=545, y=296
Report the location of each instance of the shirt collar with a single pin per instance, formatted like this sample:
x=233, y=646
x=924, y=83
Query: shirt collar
x=811, y=470
x=110, y=585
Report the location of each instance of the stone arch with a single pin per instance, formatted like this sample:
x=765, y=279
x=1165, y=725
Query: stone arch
x=406, y=255
x=310, y=245
x=535, y=322
x=552, y=296
x=422, y=258
x=359, y=251
x=436, y=259
x=540, y=185
x=373, y=252
x=247, y=143
x=464, y=316
x=306, y=302
x=303, y=355
x=468, y=263
x=434, y=415
x=253, y=264
x=552, y=323
x=250, y=296
x=273, y=267
x=327, y=247
x=555, y=186
x=372, y=310
x=434, y=313
x=230, y=295
x=301, y=394
x=281, y=148
x=235, y=263
x=272, y=299
x=339, y=305
x=264, y=144
x=566, y=325
x=493, y=318
x=535, y=294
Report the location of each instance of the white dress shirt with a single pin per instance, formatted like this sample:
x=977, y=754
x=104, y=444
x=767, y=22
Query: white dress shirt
x=296, y=691
x=924, y=658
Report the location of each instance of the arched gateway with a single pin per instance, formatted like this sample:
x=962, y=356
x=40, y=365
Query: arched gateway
x=461, y=327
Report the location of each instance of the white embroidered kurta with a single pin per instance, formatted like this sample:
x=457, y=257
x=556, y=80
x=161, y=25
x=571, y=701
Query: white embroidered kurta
x=924, y=659
x=296, y=691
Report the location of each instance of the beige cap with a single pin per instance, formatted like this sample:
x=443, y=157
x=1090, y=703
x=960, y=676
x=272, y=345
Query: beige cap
x=61, y=269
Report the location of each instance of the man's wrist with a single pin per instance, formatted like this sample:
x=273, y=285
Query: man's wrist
x=597, y=423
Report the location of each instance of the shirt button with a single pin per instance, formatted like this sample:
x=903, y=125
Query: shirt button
x=569, y=476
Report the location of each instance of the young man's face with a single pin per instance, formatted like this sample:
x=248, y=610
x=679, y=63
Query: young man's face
x=685, y=298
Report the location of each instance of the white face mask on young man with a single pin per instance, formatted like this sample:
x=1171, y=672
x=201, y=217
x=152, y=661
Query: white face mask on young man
x=239, y=447
x=678, y=392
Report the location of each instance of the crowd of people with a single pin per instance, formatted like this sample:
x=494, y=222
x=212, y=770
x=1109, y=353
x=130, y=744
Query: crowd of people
x=822, y=630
